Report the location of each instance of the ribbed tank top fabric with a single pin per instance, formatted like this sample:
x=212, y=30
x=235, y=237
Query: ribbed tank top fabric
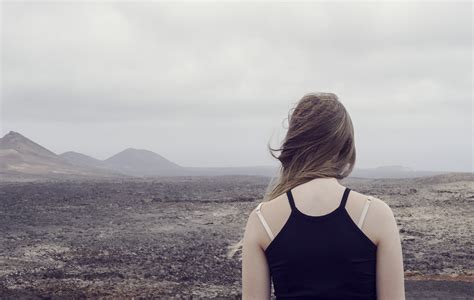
x=322, y=257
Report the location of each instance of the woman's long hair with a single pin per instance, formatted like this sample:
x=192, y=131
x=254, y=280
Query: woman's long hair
x=319, y=143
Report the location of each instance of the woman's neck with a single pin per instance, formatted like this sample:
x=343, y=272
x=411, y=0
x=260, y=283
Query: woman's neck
x=321, y=184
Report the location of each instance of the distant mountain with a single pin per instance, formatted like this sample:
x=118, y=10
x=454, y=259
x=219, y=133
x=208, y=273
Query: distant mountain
x=267, y=171
x=15, y=143
x=141, y=162
x=21, y=157
x=80, y=159
x=393, y=171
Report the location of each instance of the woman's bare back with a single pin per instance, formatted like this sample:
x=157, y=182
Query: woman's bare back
x=277, y=211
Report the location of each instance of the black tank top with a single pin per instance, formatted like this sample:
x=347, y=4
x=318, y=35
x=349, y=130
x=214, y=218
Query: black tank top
x=322, y=257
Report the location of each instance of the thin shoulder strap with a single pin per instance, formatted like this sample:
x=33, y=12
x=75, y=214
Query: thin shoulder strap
x=364, y=212
x=291, y=200
x=262, y=220
x=344, y=197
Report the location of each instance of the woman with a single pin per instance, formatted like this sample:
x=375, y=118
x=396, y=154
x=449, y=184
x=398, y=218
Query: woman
x=313, y=237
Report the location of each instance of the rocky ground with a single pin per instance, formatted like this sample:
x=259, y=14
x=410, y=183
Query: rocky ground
x=167, y=237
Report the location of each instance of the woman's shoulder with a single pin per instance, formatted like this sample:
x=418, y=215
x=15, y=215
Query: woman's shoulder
x=267, y=207
x=383, y=209
x=274, y=213
x=380, y=219
x=378, y=205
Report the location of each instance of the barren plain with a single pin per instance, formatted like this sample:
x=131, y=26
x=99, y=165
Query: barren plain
x=167, y=237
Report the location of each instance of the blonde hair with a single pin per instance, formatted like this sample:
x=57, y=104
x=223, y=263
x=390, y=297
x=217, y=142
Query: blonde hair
x=319, y=143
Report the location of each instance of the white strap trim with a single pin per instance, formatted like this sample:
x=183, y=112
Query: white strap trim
x=364, y=212
x=264, y=223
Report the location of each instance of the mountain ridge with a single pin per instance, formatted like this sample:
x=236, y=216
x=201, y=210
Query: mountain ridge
x=141, y=162
x=15, y=140
x=22, y=156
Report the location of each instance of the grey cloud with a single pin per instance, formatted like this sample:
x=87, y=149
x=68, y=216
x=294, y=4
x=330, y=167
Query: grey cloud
x=112, y=62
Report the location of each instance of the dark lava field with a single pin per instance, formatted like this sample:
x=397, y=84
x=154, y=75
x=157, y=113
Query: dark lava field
x=168, y=237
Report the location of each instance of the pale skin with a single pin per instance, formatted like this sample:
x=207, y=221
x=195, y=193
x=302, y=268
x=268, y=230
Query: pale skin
x=380, y=226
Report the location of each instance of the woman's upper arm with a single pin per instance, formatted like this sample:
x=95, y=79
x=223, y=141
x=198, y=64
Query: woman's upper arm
x=255, y=274
x=390, y=273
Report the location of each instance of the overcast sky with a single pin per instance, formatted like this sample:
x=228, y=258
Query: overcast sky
x=209, y=84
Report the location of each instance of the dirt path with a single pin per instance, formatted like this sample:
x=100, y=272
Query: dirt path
x=438, y=289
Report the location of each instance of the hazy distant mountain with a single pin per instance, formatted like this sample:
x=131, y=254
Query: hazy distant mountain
x=143, y=163
x=394, y=171
x=80, y=159
x=268, y=171
x=21, y=157
x=15, y=144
